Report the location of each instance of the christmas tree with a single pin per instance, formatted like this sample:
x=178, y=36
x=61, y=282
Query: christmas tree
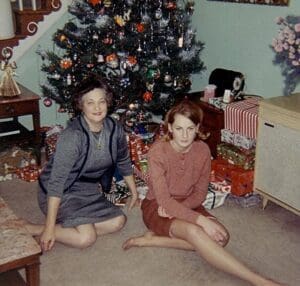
x=146, y=49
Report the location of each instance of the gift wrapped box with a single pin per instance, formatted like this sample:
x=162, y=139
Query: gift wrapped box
x=236, y=139
x=227, y=136
x=214, y=198
x=240, y=180
x=236, y=156
x=241, y=117
x=243, y=141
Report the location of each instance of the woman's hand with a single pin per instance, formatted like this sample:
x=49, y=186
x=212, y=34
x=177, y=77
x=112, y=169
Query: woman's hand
x=212, y=229
x=162, y=212
x=133, y=201
x=47, y=239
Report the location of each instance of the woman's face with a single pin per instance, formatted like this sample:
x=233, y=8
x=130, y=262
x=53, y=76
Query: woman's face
x=183, y=131
x=94, y=106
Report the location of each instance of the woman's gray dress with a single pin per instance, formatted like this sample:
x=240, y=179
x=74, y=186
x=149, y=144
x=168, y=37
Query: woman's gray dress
x=75, y=168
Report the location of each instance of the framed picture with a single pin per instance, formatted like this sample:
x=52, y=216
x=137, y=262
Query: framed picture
x=262, y=2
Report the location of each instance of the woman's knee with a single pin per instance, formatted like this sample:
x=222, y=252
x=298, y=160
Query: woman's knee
x=86, y=239
x=118, y=223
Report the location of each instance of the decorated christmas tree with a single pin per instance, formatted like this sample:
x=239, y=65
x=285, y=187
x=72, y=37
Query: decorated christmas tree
x=146, y=49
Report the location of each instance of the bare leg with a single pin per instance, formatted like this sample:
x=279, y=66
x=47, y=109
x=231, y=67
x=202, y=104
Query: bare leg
x=150, y=239
x=191, y=237
x=81, y=236
x=215, y=254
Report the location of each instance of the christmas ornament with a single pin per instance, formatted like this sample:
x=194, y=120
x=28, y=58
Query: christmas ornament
x=115, y=116
x=171, y=5
x=69, y=79
x=150, y=86
x=119, y=20
x=131, y=61
x=107, y=3
x=66, y=63
x=47, y=102
x=61, y=110
x=158, y=14
x=95, y=36
x=180, y=41
x=94, y=2
x=62, y=37
x=140, y=27
x=100, y=59
x=112, y=60
x=126, y=15
x=56, y=76
x=153, y=73
x=124, y=82
x=147, y=96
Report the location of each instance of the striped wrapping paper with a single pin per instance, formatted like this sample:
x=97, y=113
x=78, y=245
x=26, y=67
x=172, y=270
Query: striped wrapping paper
x=241, y=117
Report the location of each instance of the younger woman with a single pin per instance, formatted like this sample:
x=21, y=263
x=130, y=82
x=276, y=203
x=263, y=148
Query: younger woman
x=179, y=171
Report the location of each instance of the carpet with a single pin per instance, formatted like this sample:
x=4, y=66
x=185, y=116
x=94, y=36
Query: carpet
x=266, y=240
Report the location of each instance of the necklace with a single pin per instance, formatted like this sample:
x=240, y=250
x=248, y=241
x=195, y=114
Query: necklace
x=99, y=140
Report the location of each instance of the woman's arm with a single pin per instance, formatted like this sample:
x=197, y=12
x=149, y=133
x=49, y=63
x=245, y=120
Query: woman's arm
x=132, y=187
x=48, y=235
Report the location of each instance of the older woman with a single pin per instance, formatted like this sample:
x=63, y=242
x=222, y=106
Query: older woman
x=76, y=210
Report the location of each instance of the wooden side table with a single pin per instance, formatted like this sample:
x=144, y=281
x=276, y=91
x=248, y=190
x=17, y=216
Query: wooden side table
x=213, y=121
x=12, y=131
x=18, y=248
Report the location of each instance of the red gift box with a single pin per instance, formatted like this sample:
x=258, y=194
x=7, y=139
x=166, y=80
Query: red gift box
x=241, y=180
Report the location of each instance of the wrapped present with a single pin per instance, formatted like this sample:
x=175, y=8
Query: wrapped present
x=236, y=156
x=241, y=117
x=243, y=141
x=227, y=136
x=29, y=173
x=236, y=139
x=217, y=102
x=241, y=180
x=214, y=198
x=51, y=138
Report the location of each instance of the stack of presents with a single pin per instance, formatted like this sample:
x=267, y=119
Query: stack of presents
x=236, y=154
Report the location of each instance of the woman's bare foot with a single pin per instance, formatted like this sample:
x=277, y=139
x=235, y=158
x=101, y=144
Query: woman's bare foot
x=33, y=229
x=270, y=282
x=143, y=240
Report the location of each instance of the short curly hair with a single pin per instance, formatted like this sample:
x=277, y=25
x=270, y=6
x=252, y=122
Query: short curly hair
x=88, y=85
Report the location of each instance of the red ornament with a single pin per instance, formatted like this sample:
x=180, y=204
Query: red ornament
x=66, y=63
x=171, y=5
x=140, y=27
x=47, y=102
x=147, y=96
x=95, y=2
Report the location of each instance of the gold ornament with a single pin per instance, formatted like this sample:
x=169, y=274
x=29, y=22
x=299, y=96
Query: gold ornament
x=119, y=21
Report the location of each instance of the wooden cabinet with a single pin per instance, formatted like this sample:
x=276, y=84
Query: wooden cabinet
x=11, y=108
x=277, y=166
x=213, y=121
